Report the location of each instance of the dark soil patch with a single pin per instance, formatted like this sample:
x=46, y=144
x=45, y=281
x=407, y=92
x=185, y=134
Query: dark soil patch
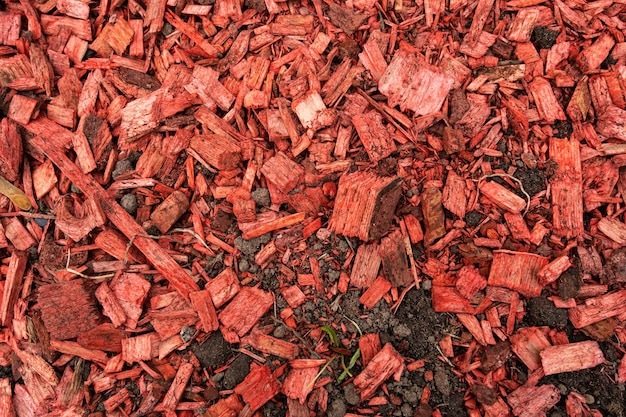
x=236, y=372
x=543, y=37
x=542, y=312
x=213, y=352
x=533, y=180
x=426, y=328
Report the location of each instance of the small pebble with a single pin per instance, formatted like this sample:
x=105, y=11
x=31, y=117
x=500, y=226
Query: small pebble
x=407, y=410
x=122, y=167
x=350, y=394
x=333, y=275
x=129, y=203
x=41, y=222
x=279, y=332
x=261, y=197
x=410, y=397
x=337, y=408
x=244, y=265
x=323, y=233
x=589, y=399
x=402, y=330
x=427, y=285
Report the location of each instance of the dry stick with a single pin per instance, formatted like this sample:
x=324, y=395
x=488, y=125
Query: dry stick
x=394, y=308
x=294, y=332
x=80, y=274
x=445, y=359
x=521, y=187
x=29, y=215
x=157, y=237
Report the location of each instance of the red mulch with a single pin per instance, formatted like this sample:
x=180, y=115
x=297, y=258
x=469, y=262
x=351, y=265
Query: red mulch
x=173, y=171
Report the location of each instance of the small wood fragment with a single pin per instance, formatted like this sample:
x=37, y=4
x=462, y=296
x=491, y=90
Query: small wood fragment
x=571, y=357
x=567, y=188
x=374, y=135
x=258, y=387
x=517, y=271
x=434, y=216
x=598, y=308
x=282, y=172
x=366, y=266
x=22, y=108
x=300, y=380
x=6, y=398
x=469, y=281
x=110, y=306
x=528, y=343
x=202, y=303
x=502, y=197
x=385, y=364
x=533, y=401
x=218, y=151
x=394, y=260
x=271, y=345
x=175, y=392
x=413, y=84
x=12, y=285
x=248, y=306
x=170, y=211
x=375, y=292
x=553, y=270
x=223, y=287
x=547, y=105
x=141, y=348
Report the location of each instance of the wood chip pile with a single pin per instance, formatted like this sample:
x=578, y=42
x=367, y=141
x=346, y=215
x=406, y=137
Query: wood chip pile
x=472, y=148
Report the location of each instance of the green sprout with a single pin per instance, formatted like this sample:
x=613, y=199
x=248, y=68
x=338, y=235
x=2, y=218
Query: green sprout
x=332, y=335
x=334, y=342
x=346, y=369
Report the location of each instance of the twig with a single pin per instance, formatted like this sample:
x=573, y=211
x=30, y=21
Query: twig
x=295, y=333
x=157, y=237
x=29, y=215
x=446, y=360
x=80, y=274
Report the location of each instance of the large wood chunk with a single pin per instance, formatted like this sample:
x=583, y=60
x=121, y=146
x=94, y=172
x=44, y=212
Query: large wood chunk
x=244, y=311
x=567, y=193
x=411, y=83
x=571, y=357
x=365, y=205
x=394, y=260
x=68, y=309
x=533, y=401
x=10, y=150
x=598, y=308
x=281, y=171
x=517, y=271
x=258, y=387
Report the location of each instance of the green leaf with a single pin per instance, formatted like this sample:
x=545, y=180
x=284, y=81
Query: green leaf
x=332, y=335
x=354, y=358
